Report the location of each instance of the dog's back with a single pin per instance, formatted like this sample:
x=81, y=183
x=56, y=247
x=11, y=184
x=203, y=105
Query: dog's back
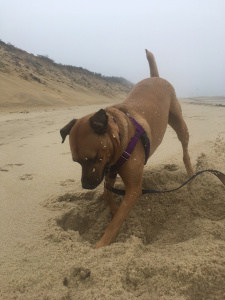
x=153, y=94
x=150, y=90
x=151, y=99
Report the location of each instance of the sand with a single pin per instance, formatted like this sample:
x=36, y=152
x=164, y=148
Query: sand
x=171, y=246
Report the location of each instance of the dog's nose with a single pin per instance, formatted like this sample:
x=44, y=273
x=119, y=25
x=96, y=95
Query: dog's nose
x=88, y=186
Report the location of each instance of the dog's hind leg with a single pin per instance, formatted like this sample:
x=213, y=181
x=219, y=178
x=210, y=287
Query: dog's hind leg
x=177, y=122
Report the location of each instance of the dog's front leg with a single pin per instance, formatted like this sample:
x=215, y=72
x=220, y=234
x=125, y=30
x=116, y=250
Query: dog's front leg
x=132, y=193
x=108, y=195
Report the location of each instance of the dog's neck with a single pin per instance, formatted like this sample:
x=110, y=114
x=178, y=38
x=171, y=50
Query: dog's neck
x=120, y=122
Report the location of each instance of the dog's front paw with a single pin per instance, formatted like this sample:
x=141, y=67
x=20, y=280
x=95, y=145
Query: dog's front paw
x=101, y=243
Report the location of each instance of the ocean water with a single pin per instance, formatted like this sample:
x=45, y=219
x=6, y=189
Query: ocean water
x=216, y=101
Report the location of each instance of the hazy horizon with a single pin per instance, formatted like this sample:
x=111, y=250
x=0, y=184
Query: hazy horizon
x=186, y=37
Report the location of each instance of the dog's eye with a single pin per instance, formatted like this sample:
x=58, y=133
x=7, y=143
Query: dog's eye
x=89, y=160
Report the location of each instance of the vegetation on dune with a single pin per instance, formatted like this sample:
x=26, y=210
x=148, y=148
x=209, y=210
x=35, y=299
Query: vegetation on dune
x=43, y=70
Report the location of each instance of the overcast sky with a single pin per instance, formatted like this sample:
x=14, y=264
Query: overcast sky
x=187, y=37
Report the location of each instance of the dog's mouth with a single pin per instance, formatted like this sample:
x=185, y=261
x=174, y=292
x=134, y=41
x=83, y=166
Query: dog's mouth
x=88, y=186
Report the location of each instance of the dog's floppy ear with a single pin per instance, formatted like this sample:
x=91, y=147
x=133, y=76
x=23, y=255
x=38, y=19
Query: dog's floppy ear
x=99, y=122
x=66, y=129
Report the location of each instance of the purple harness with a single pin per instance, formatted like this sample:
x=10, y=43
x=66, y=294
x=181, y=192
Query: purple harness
x=139, y=133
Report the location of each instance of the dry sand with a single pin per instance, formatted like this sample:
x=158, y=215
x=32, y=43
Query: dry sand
x=171, y=246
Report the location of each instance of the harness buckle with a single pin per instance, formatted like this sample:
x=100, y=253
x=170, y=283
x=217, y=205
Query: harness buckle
x=125, y=155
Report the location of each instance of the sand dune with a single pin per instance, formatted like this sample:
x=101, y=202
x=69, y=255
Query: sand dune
x=171, y=246
x=35, y=82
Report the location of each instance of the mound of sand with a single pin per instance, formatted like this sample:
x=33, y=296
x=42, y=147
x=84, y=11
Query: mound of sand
x=171, y=246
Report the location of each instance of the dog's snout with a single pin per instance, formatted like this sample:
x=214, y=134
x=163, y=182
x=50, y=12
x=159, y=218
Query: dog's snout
x=88, y=186
x=91, y=178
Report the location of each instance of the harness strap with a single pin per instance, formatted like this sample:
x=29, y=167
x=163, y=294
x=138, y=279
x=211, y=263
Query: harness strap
x=219, y=175
x=143, y=136
x=139, y=133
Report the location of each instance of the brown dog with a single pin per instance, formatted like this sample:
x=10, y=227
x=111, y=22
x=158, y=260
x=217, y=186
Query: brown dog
x=98, y=140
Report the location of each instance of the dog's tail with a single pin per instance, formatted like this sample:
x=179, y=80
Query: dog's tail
x=152, y=64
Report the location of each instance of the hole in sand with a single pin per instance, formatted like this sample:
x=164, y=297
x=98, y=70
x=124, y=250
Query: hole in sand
x=72, y=220
x=88, y=214
x=163, y=219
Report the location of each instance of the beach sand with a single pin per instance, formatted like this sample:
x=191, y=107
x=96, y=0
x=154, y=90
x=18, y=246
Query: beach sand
x=171, y=246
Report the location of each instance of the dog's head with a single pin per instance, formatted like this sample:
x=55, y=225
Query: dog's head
x=94, y=143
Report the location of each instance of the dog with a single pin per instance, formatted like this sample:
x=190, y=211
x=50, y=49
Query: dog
x=99, y=140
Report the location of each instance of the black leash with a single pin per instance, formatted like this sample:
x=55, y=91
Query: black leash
x=219, y=175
